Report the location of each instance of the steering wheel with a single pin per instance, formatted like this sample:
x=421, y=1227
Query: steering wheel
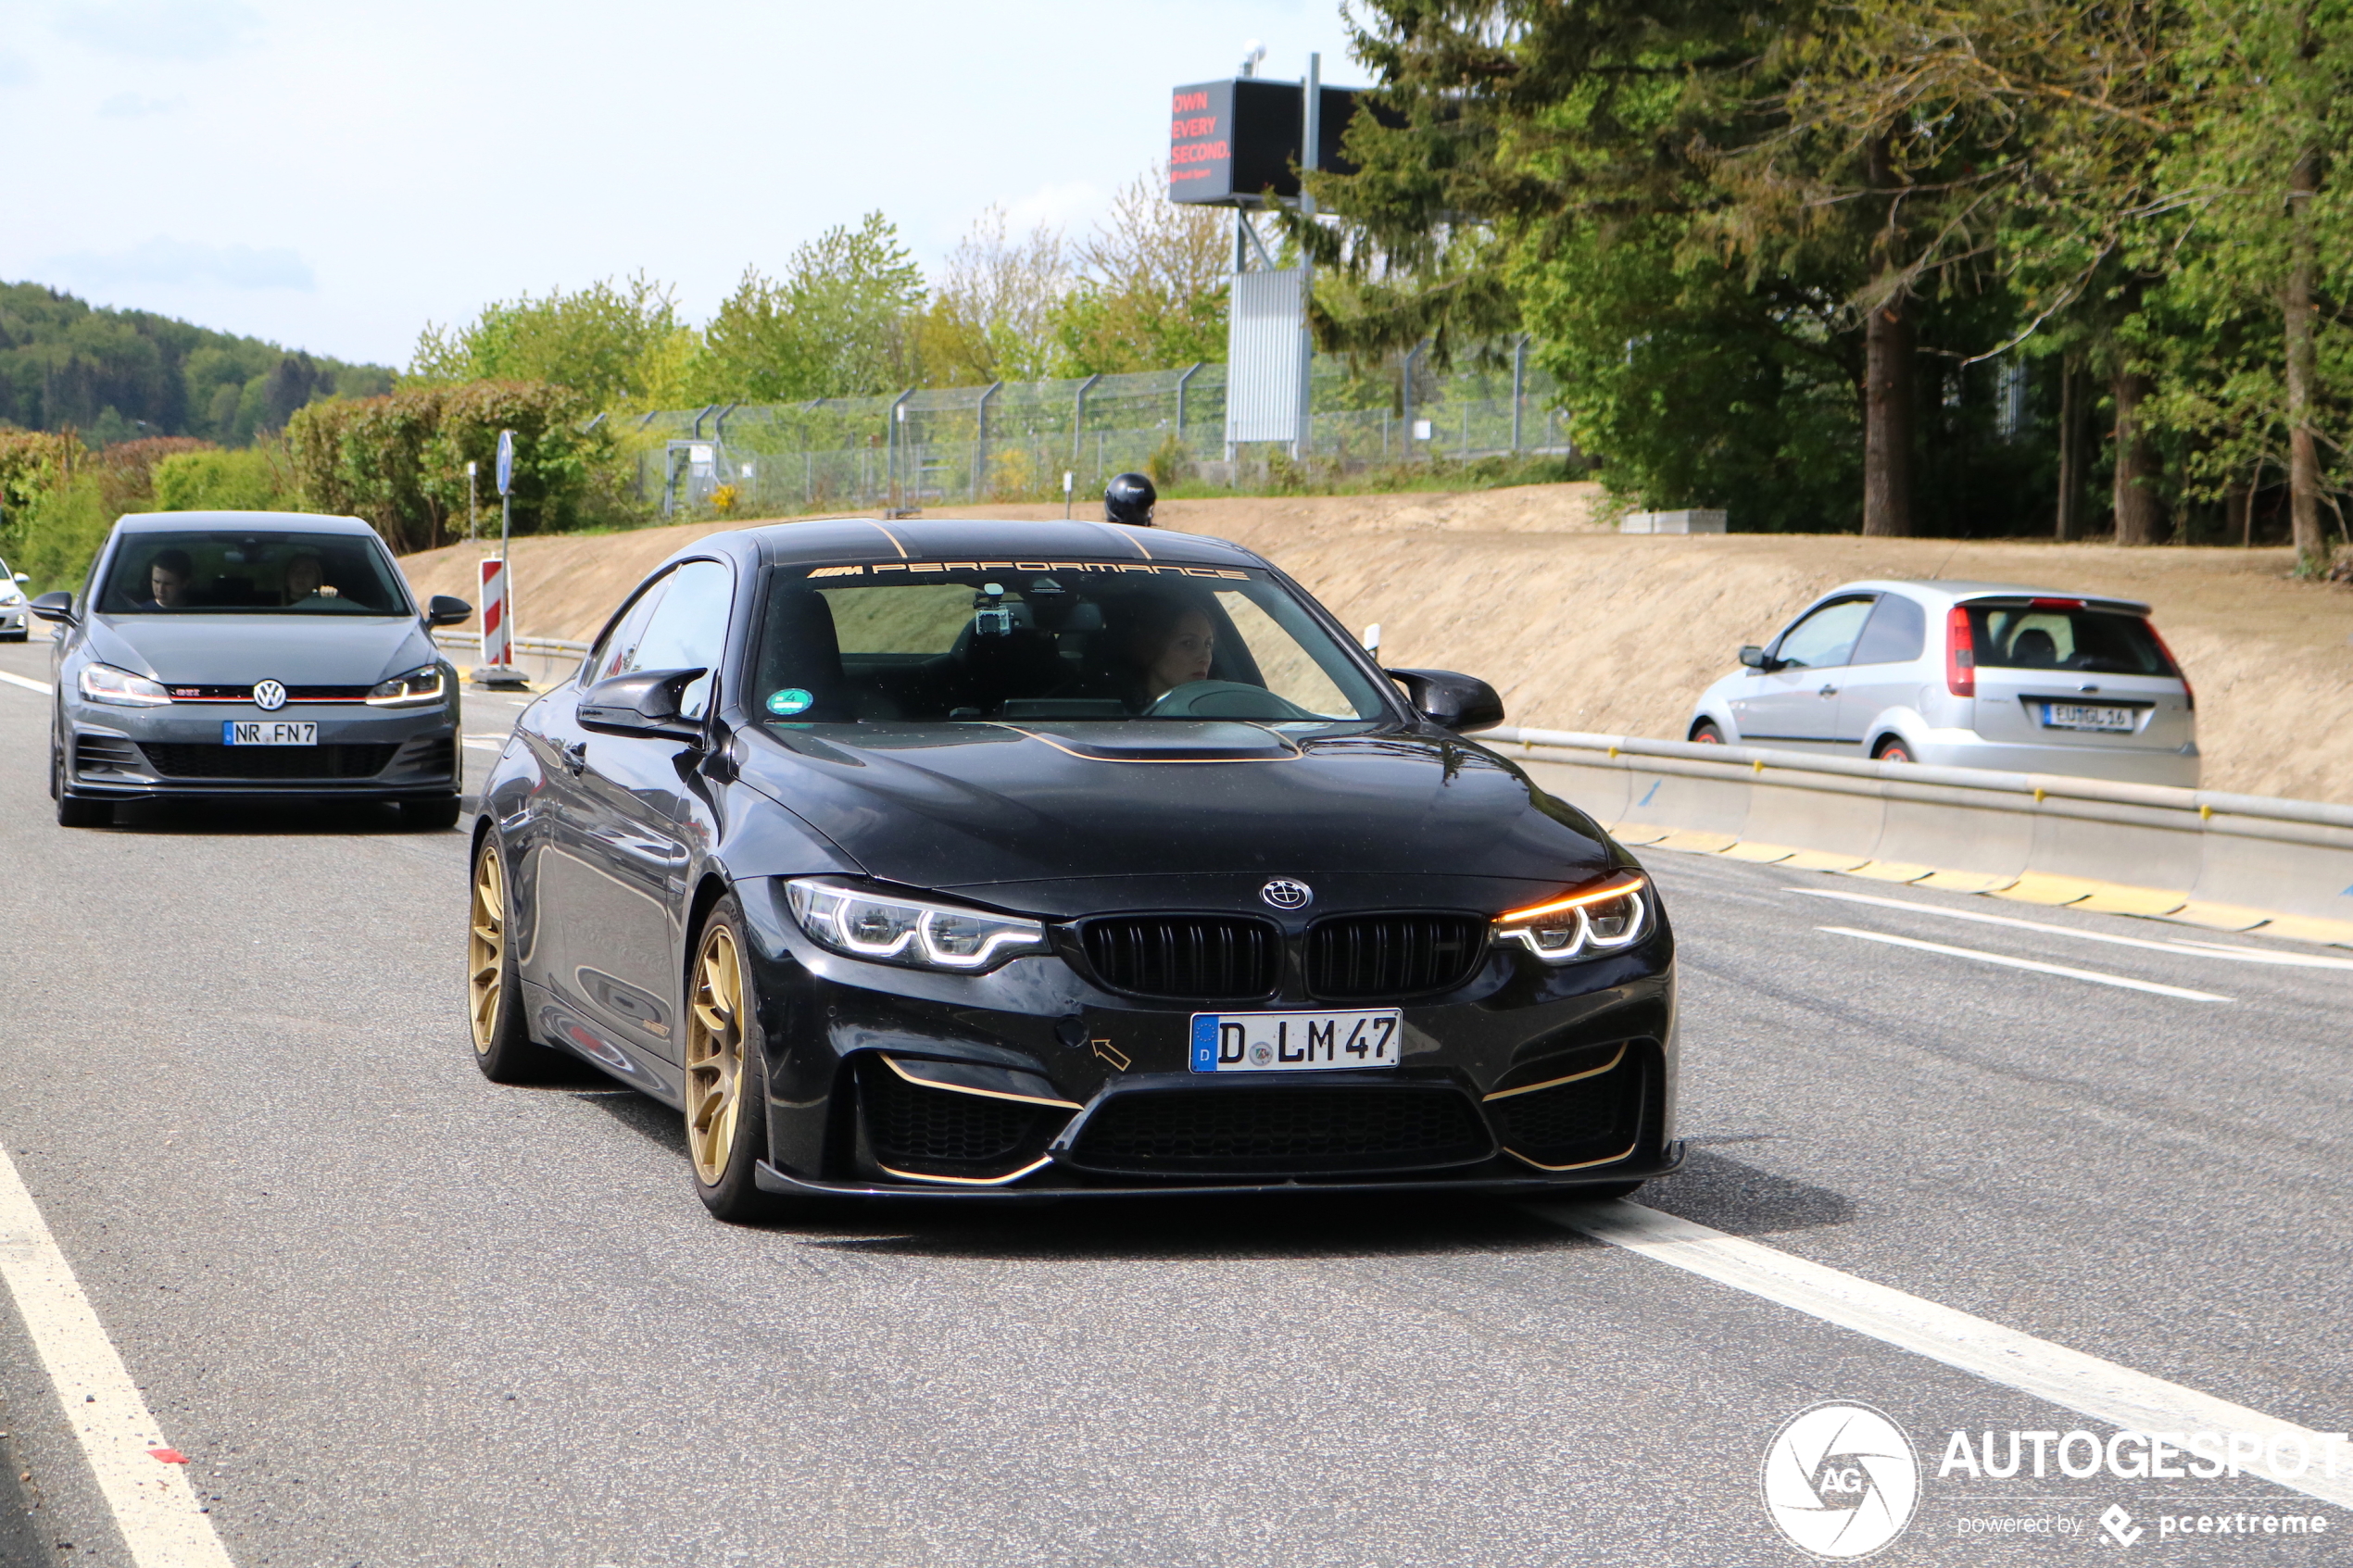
x=1224, y=699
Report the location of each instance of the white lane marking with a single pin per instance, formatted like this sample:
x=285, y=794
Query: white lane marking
x=2187, y=948
x=31, y=685
x=2101, y=1389
x=152, y=1505
x=2096, y=976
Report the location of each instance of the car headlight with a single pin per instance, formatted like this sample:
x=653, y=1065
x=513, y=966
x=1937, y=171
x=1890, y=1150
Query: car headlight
x=1598, y=919
x=420, y=686
x=120, y=688
x=888, y=928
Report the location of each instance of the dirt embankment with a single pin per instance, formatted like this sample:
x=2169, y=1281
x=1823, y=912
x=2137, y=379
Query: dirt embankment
x=1583, y=629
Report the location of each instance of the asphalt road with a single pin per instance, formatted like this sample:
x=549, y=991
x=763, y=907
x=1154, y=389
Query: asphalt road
x=395, y=1315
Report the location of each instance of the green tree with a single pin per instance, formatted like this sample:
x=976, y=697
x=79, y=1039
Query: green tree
x=2258, y=252
x=840, y=323
x=400, y=460
x=601, y=341
x=1151, y=291
x=248, y=480
x=991, y=317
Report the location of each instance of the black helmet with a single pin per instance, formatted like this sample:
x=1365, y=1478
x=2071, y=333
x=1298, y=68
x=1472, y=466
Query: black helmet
x=1130, y=498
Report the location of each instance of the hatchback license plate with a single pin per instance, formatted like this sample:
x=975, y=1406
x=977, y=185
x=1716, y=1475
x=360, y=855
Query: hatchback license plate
x=2080, y=715
x=267, y=731
x=1295, y=1042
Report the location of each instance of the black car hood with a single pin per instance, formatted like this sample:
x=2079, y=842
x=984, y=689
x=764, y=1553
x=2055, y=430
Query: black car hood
x=970, y=805
x=237, y=650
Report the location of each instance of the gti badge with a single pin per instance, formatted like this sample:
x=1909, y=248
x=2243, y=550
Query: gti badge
x=269, y=696
x=1285, y=893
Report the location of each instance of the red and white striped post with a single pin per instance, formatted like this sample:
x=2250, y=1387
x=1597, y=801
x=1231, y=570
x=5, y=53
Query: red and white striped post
x=497, y=651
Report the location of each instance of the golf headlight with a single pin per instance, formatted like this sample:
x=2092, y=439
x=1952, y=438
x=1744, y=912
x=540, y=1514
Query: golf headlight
x=419, y=685
x=120, y=688
x=1599, y=919
x=887, y=928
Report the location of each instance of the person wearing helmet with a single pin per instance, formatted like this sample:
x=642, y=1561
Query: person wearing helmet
x=1129, y=498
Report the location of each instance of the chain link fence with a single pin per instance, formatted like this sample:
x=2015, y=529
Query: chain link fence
x=940, y=446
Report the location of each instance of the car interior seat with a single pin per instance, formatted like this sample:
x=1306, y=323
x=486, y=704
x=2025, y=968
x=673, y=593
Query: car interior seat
x=2034, y=647
x=799, y=647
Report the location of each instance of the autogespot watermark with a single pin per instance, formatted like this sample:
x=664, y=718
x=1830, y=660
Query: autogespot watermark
x=2146, y=1456
x=1842, y=1480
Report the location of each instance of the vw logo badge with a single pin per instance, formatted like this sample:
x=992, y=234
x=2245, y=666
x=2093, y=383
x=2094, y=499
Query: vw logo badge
x=269, y=696
x=1285, y=893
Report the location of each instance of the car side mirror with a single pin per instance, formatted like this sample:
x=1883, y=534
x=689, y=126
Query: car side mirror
x=1449, y=700
x=447, y=609
x=1753, y=657
x=21, y=577
x=56, y=607
x=643, y=702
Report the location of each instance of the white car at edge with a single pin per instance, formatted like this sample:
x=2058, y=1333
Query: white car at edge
x=1966, y=675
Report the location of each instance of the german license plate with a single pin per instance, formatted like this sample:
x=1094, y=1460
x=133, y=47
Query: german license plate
x=267, y=731
x=1295, y=1042
x=2080, y=715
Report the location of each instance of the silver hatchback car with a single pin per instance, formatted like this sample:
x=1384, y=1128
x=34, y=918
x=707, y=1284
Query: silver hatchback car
x=1966, y=675
x=250, y=654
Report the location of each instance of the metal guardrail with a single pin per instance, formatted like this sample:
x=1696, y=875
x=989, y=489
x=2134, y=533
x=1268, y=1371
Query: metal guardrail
x=551, y=646
x=2206, y=857
x=2206, y=802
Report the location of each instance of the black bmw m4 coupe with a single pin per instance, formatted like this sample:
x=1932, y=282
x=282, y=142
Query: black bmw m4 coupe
x=1003, y=862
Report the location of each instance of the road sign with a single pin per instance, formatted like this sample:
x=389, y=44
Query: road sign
x=506, y=461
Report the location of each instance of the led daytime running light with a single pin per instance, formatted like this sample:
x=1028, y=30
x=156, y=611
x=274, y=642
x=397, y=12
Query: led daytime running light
x=884, y=928
x=417, y=686
x=121, y=688
x=1565, y=928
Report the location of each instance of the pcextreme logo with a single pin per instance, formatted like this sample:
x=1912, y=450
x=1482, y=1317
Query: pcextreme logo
x=1841, y=1480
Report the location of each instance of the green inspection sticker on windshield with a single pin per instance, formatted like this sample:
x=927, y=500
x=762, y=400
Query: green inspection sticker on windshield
x=792, y=700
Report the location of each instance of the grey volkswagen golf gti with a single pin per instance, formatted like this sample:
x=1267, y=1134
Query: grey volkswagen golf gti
x=216, y=655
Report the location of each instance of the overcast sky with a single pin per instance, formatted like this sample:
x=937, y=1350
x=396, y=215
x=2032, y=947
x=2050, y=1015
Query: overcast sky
x=332, y=175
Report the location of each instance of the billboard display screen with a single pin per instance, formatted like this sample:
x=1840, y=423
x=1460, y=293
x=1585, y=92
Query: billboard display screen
x=1233, y=143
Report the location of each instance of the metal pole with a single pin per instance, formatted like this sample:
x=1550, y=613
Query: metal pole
x=1079, y=420
x=1310, y=156
x=1520, y=386
x=1405, y=398
x=890, y=457
x=1181, y=381
x=472, y=508
x=980, y=442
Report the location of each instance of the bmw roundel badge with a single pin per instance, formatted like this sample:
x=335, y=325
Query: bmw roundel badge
x=1285, y=893
x=269, y=696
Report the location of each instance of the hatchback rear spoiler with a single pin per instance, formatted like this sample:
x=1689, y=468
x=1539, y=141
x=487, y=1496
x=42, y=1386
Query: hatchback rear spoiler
x=2058, y=601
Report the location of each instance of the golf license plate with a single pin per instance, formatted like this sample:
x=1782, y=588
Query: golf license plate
x=1295, y=1042
x=267, y=731
x=2083, y=716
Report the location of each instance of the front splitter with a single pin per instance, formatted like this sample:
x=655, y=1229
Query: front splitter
x=770, y=1179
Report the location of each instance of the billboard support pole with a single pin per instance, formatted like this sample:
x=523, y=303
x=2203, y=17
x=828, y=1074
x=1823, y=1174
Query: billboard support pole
x=1310, y=158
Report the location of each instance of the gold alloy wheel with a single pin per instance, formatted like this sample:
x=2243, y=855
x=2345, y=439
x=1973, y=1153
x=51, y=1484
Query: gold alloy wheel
x=715, y=1055
x=486, y=950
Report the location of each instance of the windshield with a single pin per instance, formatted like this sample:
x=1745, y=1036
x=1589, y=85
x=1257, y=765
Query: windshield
x=1048, y=641
x=2055, y=636
x=247, y=572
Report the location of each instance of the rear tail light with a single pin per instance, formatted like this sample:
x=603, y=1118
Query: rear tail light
x=1960, y=654
x=2188, y=690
